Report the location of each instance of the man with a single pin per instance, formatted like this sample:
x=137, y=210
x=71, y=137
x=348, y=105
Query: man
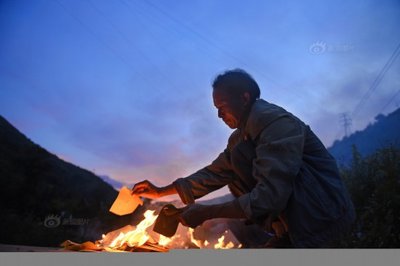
x=280, y=173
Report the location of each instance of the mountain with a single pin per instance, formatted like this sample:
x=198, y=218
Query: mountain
x=383, y=132
x=45, y=200
x=114, y=183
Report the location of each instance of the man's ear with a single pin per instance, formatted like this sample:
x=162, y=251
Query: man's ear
x=246, y=98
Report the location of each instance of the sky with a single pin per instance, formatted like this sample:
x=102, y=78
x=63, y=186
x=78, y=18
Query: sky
x=123, y=88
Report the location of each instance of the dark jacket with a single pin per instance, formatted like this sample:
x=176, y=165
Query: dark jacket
x=292, y=175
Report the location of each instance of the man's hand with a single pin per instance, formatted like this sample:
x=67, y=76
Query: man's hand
x=276, y=224
x=146, y=189
x=279, y=228
x=195, y=214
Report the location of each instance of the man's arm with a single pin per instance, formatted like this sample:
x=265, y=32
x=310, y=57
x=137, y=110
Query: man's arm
x=196, y=185
x=206, y=180
x=278, y=160
x=218, y=174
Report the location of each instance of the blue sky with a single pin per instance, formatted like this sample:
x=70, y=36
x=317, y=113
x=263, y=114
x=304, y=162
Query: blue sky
x=123, y=87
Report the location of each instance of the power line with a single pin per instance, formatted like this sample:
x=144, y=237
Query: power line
x=220, y=48
x=397, y=93
x=130, y=42
x=374, y=85
x=377, y=81
x=346, y=119
x=106, y=45
x=163, y=25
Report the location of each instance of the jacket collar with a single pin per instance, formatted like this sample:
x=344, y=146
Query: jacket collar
x=262, y=114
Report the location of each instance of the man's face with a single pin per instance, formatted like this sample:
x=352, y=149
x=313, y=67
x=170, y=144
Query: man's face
x=230, y=108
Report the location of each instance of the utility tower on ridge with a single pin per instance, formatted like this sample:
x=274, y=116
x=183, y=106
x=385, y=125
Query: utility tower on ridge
x=346, y=122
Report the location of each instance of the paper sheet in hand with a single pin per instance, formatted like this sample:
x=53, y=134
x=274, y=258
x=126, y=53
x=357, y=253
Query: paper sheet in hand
x=125, y=203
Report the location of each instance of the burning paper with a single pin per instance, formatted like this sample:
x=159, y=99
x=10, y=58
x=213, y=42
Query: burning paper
x=125, y=203
x=141, y=238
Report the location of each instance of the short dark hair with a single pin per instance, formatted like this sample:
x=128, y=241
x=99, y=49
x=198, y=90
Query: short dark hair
x=237, y=81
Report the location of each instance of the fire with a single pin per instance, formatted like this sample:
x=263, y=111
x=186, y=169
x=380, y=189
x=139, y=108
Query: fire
x=168, y=241
x=164, y=241
x=222, y=245
x=138, y=236
x=141, y=236
x=198, y=243
x=205, y=244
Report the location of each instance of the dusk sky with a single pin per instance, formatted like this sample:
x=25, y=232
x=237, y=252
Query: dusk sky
x=123, y=88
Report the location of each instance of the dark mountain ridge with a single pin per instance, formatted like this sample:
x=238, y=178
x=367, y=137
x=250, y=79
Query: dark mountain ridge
x=45, y=200
x=384, y=132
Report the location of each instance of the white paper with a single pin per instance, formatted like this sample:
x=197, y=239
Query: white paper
x=125, y=203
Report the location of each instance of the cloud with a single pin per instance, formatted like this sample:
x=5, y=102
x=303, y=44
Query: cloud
x=168, y=139
x=343, y=92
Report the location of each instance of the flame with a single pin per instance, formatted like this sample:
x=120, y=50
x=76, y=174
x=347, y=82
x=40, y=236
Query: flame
x=164, y=241
x=221, y=244
x=193, y=240
x=167, y=241
x=205, y=244
x=136, y=237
